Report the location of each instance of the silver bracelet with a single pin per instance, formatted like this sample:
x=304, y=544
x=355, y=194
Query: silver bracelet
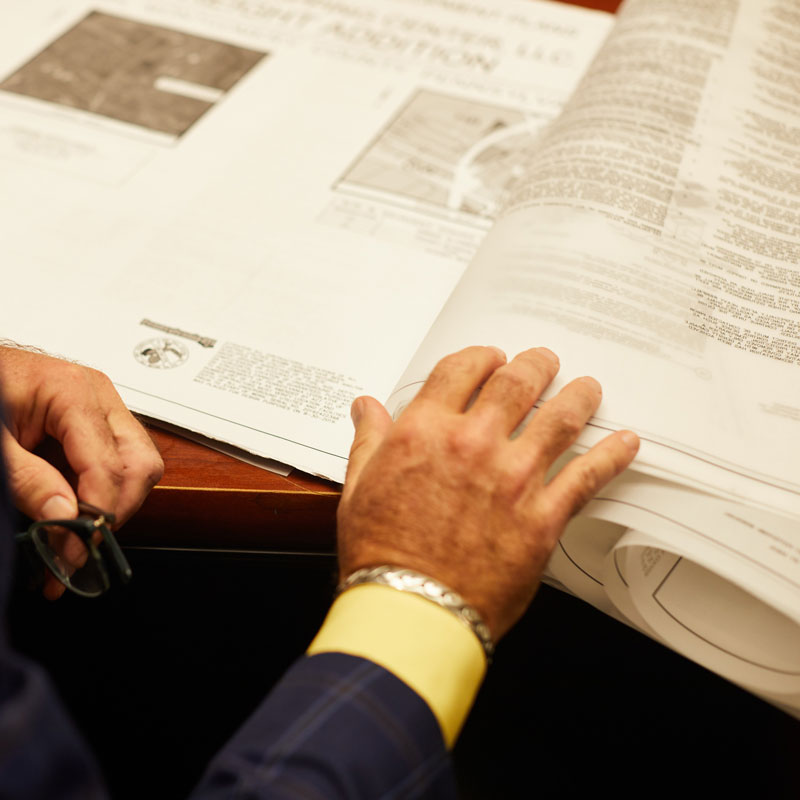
x=407, y=580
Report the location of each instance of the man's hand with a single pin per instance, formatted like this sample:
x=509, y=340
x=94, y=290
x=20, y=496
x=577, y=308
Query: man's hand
x=447, y=492
x=114, y=461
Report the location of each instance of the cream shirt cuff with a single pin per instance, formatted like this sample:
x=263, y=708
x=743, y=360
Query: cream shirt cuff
x=424, y=645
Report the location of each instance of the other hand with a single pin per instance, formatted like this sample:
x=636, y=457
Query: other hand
x=446, y=491
x=114, y=460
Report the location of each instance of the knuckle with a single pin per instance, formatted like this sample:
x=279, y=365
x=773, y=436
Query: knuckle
x=405, y=442
x=587, y=481
x=77, y=382
x=543, y=368
x=148, y=468
x=152, y=470
x=514, y=476
x=98, y=377
x=570, y=423
x=512, y=487
x=407, y=432
x=511, y=381
x=114, y=469
x=72, y=373
x=468, y=444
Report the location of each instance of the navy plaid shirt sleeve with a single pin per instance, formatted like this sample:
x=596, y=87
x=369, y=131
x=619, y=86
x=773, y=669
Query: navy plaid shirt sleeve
x=42, y=756
x=336, y=726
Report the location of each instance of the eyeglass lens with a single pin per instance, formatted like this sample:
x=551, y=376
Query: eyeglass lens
x=77, y=564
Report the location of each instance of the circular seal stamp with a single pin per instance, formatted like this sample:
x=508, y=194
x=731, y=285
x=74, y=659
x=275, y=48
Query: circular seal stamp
x=161, y=353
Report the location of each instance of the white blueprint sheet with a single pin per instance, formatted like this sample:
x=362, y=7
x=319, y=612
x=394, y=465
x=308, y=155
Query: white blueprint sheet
x=299, y=182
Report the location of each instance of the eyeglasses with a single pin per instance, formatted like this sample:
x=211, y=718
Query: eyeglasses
x=82, y=553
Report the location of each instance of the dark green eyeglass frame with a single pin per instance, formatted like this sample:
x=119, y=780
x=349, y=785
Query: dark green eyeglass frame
x=103, y=554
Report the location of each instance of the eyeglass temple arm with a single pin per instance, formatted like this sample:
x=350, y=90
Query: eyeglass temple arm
x=124, y=568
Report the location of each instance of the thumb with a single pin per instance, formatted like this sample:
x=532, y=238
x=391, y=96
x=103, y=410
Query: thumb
x=38, y=489
x=372, y=423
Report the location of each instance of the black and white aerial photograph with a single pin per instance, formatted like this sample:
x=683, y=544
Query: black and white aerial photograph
x=154, y=77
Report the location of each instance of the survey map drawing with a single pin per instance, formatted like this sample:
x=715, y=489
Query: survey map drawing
x=154, y=77
x=448, y=151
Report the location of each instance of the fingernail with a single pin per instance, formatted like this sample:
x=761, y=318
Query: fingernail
x=356, y=411
x=630, y=439
x=499, y=352
x=58, y=507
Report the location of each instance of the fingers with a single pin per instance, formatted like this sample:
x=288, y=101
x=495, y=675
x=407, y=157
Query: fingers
x=39, y=490
x=559, y=422
x=113, y=458
x=141, y=463
x=372, y=423
x=511, y=391
x=142, y=467
x=455, y=378
x=53, y=588
x=91, y=452
x=69, y=551
x=115, y=461
x=447, y=492
x=585, y=475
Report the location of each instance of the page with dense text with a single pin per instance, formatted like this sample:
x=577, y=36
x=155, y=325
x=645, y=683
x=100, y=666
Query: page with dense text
x=654, y=243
